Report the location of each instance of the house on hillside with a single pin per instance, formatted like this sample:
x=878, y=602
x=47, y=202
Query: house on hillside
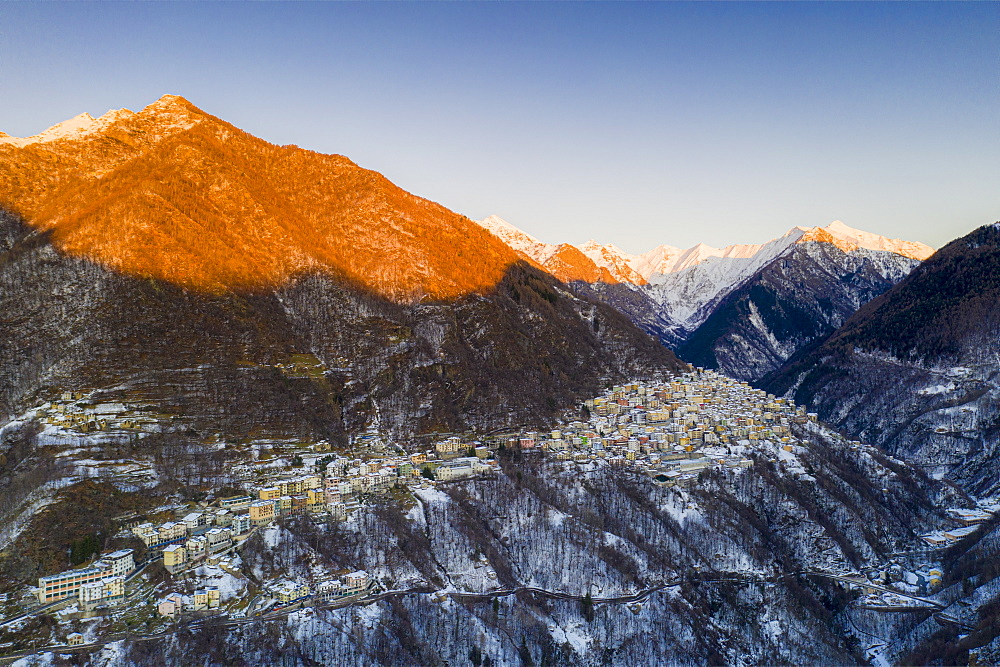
x=108, y=592
x=208, y=597
x=171, y=605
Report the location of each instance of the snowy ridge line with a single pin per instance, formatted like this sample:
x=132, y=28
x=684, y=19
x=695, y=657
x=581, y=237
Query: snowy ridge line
x=662, y=260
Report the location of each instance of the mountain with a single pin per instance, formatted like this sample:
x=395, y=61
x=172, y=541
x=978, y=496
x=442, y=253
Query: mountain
x=704, y=276
x=167, y=258
x=743, y=309
x=916, y=369
x=666, y=259
x=618, y=263
x=564, y=261
x=174, y=193
x=237, y=299
x=801, y=296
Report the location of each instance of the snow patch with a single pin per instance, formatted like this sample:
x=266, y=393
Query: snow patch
x=937, y=389
x=272, y=536
x=432, y=496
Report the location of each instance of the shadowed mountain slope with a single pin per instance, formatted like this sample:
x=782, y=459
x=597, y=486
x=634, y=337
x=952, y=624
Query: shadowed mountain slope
x=916, y=370
x=514, y=354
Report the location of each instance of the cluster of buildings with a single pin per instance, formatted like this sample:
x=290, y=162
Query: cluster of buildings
x=102, y=584
x=335, y=487
x=204, y=599
x=670, y=429
x=198, y=535
x=282, y=593
x=208, y=532
x=676, y=428
x=331, y=590
x=461, y=467
x=351, y=584
x=968, y=521
x=77, y=412
x=288, y=495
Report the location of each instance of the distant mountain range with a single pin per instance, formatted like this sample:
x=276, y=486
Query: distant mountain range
x=744, y=308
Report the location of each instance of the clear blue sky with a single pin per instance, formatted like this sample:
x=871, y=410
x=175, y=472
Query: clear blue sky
x=636, y=124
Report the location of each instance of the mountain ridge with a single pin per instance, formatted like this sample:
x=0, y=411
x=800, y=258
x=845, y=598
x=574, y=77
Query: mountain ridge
x=665, y=259
x=914, y=370
x=167, y=252
x=690, y=285
x=173, y=193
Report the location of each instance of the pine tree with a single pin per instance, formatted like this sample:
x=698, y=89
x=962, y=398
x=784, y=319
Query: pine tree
x=587, y=607
x=525, y=654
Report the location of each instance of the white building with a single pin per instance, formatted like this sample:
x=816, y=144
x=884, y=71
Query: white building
x=107, y=592
x=196, y=547
x=241, y=524
x=355, y=582
x=122, y=562
x=219, y=539
x=459, y=468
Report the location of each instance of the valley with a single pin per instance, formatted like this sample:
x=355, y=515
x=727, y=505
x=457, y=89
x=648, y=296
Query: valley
x=642, y=495
x=259, y=405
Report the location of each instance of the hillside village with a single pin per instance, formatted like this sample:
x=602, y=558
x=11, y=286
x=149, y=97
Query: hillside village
x=670, y=431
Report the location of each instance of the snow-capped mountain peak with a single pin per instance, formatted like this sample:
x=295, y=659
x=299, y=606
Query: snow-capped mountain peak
x=171, y=112
x=685, y=284
x=591, y=262
x=848, y=238
x=517, y=239
x=657, y=260
x=503, y=229
x=655, y=265
x=77, y=127
x=619, y=263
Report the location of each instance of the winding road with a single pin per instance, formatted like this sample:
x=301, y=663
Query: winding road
x=638, y=597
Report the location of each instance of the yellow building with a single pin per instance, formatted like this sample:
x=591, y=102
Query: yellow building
x=174, y=557
x=315, y=499
x=207, y=598
x=290, y=590
x=261, y=512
